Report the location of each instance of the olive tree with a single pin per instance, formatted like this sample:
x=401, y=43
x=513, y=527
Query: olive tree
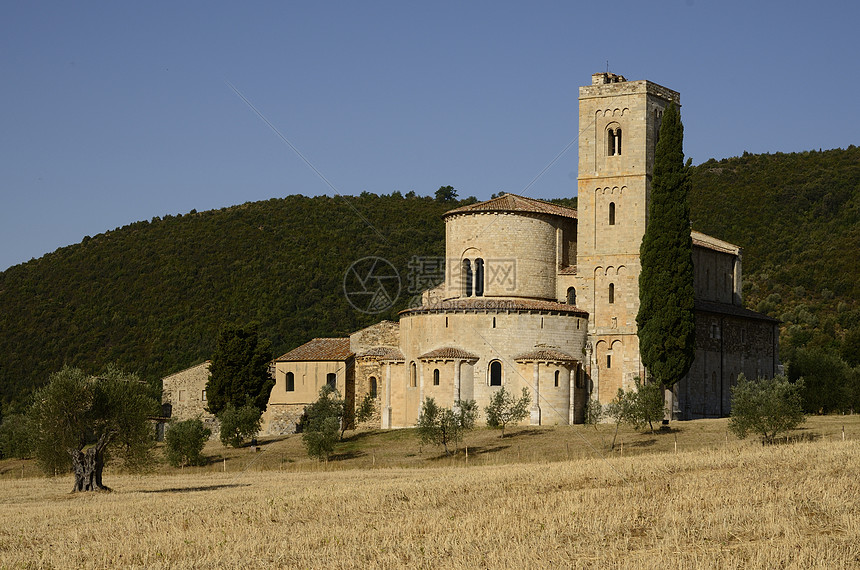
x=443, y=426
x=766, y=407
x=78, y=421
x=505, y=408
x=184, y=443
x=321, y=424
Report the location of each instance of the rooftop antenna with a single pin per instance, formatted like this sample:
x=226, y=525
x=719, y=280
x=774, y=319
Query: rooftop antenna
x=607, y=66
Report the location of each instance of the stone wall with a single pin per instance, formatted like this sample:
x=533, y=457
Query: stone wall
x=185, y=392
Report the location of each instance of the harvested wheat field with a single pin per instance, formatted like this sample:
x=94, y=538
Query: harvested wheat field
x=739, y=506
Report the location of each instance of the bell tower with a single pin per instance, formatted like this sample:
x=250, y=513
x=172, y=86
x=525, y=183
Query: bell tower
x=619, y=124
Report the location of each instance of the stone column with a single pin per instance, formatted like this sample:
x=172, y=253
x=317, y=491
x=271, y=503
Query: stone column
x=535, y=411
x=457, y=380
x=386, y=412
x=420, y=384
x=571, y=414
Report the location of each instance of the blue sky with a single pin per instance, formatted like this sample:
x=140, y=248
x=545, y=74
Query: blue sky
x=114, y=112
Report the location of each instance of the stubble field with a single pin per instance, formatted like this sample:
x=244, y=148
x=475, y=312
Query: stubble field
x=729, y=505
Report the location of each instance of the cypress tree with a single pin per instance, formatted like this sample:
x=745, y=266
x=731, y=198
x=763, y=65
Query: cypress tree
x=666, y=321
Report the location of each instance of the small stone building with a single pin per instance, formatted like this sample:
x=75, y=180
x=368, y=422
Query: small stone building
x=183, y=396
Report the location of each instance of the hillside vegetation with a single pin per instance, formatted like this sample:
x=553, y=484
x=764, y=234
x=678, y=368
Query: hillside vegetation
x=151, y=296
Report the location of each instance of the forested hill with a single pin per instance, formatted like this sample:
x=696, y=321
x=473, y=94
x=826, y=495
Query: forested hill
x=151, y=296
x=797, y=217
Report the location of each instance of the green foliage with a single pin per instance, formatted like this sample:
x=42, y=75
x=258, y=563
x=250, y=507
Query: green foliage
x=239, y=424
x=15, y=436
x=796, y=216
x=829, y=384
x=594, y=412
x=366, y=410
x=184, y=443
x=766, y=407
x=666, y=319
x=239, y=371
x=504, y=408
x=650, y=404
x=442, y=426
x=321, y=427
x=639, y=407
x=446, y=194
x=152, y=296
x=108, y=414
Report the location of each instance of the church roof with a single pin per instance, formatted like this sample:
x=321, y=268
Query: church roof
x=731, y=310
x=497, y=304
x=448, y=353
x=319, y=349
x=710, y=242
x=514, y=203
x=382, y=353
x=545, y=354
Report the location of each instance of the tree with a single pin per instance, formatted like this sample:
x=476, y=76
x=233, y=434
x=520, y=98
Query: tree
x=184, y=442
x=650, y=404
x=666, y=323
x=239, y=424
x=366, y=410
x=446, y=194
x=443, y=426
x=505, y=409
x=239, y=371
x=766, y=406
x=622, y=409
x=15, y=436
x=79, y=420
x=322, y=423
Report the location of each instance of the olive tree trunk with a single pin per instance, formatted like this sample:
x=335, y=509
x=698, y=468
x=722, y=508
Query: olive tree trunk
x=88, y=467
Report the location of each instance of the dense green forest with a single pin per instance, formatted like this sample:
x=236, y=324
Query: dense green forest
x=151, y=296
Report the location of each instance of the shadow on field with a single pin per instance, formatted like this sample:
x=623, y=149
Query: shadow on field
x=203, y=488
x=346, y=455
x=643, y=443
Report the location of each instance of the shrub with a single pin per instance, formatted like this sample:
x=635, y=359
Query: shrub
x=239, y=424
x=15, y=436
x=443, y=426
x=505, y=409
x=322, y=423
x=766, y=406
x=184, y=441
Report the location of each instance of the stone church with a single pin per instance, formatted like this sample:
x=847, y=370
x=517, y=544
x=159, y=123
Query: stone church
x=544, y=297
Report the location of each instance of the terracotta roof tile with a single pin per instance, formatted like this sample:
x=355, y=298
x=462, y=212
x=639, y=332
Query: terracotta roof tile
x=448, y=353
x=319, y=349
x=382, y=353
x=514, y=203
x=545, y=354
x=496, y=304
x=710, y=242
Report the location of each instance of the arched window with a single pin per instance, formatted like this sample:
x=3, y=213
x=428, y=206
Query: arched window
x=413, y=375
x=612, y=292
x=467, y=278
x=612, y=213
x=571, y=295
x=609, y=361
x=372, y=387
x=479, y=277
x=291, y=382
x=495, y=373
x=556, y=378
x=435, y=376
x=613, y=141
x=331, y=380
